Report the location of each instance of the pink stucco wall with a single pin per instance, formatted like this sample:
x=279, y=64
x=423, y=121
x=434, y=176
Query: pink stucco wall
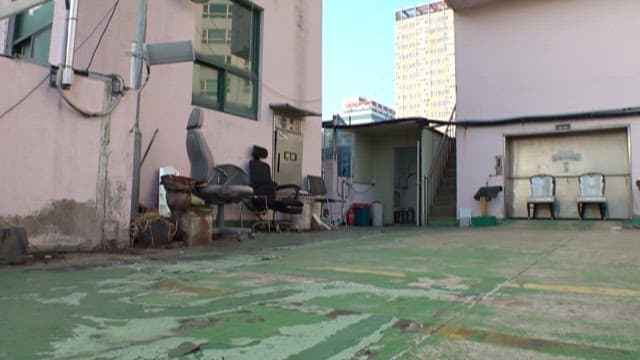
x=52, y=179
x=290, y=71
x=527, y=58
x=68, y=178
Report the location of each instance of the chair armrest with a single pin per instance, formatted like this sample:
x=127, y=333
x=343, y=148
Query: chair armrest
x=233, y=175
x=214, y=178
x=266, y=189
x=289, y=186
x=261, y=198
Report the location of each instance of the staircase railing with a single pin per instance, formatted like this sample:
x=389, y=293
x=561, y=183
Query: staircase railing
x=436, y=170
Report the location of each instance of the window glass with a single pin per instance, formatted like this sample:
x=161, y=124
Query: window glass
x=205, y=88
x=32, y=33
x=239, y=26
x=227, y=49
x=239, y=93
x=216, y=10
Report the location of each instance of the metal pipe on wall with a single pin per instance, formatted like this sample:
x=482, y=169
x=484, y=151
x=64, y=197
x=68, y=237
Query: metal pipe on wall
x=136, y=67
x=72, y=20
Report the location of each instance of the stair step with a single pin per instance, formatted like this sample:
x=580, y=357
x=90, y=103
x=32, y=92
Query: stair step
x=437, y=212
x=449, y=173
x=447, y=188
x=444, y=199
x=450, y=206
x=445, y=191
x=444, y=204
x=448, y=180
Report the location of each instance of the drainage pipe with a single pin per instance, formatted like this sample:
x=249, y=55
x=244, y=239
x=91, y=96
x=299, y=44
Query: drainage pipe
x=72, y=20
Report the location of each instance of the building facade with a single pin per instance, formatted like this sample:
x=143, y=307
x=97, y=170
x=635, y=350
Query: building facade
x=68, y=171
x=357, y=110
x=425, y=61
x=543, y=90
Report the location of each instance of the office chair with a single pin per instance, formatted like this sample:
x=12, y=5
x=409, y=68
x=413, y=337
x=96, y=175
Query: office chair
x=216, y=185
x=267, y=194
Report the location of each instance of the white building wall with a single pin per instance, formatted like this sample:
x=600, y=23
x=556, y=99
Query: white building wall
x=529, y=58
x=546, y=57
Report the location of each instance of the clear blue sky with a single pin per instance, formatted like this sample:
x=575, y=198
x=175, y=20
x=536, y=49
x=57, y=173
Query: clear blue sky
x=358, y=50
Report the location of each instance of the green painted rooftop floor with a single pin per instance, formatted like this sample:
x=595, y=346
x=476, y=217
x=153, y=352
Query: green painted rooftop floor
x=522, y=290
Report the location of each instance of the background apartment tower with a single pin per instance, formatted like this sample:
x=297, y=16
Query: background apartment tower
x=425, y=61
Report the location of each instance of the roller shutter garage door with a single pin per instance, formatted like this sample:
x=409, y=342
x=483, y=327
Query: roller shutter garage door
x=566, y=156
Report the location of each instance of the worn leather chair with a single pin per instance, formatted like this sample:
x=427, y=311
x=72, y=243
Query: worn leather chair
x=267, y=194
x=216, y=185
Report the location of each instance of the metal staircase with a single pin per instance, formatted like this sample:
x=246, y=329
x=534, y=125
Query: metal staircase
x=441, y=180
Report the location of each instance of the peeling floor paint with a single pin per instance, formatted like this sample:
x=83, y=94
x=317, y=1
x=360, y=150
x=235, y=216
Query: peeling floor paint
x=339, y=295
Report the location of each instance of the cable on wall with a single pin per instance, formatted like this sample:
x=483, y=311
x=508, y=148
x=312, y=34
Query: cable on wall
x=44, y=79
x=117, y=90
x=112, y=11
x=10, y=108
x=117, y=82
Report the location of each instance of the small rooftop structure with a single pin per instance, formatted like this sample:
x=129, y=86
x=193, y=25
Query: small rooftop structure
x=414, y=11
x=457, y=5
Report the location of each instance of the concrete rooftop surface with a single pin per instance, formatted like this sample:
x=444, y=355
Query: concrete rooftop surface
x=523, y=290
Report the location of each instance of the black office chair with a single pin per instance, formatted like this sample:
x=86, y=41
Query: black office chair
x=268, y=195
x=216, y=185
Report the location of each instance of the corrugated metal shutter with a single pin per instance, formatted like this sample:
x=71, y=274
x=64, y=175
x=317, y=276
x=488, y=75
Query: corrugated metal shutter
x=566, y=156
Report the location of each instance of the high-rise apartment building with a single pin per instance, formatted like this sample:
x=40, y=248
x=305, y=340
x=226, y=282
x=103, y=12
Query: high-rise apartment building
x=425, y=61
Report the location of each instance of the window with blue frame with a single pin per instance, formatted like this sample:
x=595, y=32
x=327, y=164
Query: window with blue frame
x=32, y=33
x=225, y=75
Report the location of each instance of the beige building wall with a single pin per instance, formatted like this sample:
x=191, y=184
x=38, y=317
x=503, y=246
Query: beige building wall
x=425, y=61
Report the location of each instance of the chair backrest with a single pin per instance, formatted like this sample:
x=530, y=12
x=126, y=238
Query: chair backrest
x=259, y=171
x=200, y=157
x=543, y=186
x=260, y=174
x=317, y=187
x=591, y=184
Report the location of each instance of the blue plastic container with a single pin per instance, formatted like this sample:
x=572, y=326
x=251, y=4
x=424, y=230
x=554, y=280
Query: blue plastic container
x=362, y=215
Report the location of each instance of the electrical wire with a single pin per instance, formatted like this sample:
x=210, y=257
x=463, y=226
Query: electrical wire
x=95, y=28
x=104, y=31
x=87, y=113
x=109, y=13
x=116, y=79
x=10, y=108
